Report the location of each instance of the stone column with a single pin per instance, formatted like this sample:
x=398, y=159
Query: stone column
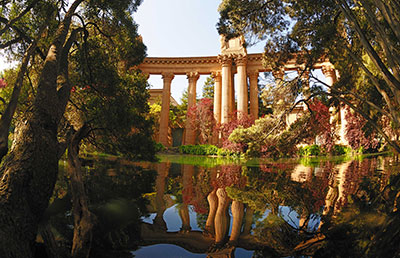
x=217, y=95
x=242, y=98
x=253, y=78
x=232, y=92
x=164, y=116
x=190, y=136
x=329, y=72
x=226, y=63
x=304, y=74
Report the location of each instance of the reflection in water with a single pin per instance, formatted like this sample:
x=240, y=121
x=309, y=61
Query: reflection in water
x=276, y=209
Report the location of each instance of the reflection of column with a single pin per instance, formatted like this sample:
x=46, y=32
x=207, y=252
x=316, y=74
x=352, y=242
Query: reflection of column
x=190, y=136
x=184, y=214
x=253, y=78
x=187, y=195
x=217, y=96
x=164, y=116
x=237, y=215
x=226, y=82
x=248, y=221
x=301, y=173
x=162, y=170
x=342, y=181
x=242, y=100
x=213, y=204
x=221, y=216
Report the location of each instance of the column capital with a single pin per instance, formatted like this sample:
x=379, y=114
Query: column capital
x=216, y=75
x=225, y=60
x=168, y=76
x=240, y=59
x=253, y=74
x=192, y=76
x=328, y=69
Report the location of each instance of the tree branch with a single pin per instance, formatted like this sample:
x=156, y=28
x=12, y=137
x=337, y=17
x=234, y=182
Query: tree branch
x=387, y=76
x=11, y=22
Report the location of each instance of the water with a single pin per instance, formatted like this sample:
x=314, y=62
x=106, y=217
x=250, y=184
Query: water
x=209, y=207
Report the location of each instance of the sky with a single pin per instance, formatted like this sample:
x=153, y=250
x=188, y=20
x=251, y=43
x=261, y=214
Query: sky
x=180, y=28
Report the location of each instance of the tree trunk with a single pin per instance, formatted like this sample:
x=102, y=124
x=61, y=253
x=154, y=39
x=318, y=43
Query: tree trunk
x=28, y=176
x=83, y=218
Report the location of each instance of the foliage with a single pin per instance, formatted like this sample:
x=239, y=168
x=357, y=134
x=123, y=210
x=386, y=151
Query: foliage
x=208, y=88
x=204, y=149
x=310, y=150
x=244, y=121
x=84, y=43
x=112, y=101
x=269, y=137
x=202, y=118
x=360, y=38
x=341, y=150
x=355, y=132
x=159, y=147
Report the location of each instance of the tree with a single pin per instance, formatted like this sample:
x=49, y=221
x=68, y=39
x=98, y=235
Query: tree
x=202, y=118
x=208, y=88
x=30, y=170
x=359, y=37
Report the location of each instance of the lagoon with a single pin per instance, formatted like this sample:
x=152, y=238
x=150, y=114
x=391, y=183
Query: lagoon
x=193, y=206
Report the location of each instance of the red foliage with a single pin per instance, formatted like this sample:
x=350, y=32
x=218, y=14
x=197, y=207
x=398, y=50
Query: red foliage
x=230, y=175
x=355, y=134
x=320, y=123
x=3, y=83
x=227, y=128
x=202, y=119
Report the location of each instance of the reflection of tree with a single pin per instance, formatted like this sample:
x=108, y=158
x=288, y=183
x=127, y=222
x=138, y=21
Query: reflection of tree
x=369, y=225
x=115, y=197
x=351, y=198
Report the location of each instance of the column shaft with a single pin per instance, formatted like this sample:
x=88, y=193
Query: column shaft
x=190, y=136
x=217, y=96
x=253, y=78
x=242, y=98
x=226, y=78
x=164, y=116
x=232, y=93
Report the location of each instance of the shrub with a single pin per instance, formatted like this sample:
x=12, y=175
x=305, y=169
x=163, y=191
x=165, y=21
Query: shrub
x=310, y=150
x=159, y=147
x=204, y=149
x=338, y=150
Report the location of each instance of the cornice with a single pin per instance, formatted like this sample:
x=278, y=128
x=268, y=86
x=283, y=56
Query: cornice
x=180, y=60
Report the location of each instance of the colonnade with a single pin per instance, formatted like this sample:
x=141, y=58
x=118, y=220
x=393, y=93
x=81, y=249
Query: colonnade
x=222, y=68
